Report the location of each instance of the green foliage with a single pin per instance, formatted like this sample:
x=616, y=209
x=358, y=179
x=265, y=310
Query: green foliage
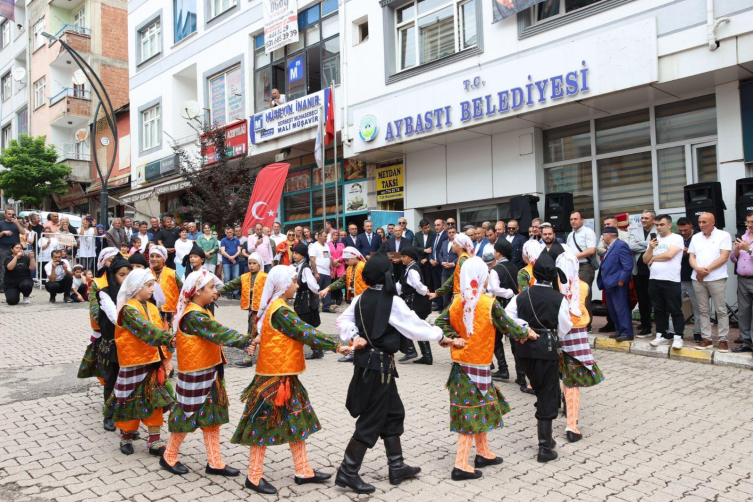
x=31, y=174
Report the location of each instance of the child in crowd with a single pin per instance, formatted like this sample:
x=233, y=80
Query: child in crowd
x=135, y=245
x=125, y=250
x=79, y=288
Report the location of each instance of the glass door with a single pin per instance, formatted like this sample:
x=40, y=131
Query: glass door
x=705, y=163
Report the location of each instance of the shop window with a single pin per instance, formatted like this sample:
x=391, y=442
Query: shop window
x=625, y=184
x=184, y=19
x=623, y=132
x=477, y=215
x=567, y=143
x=317, y=200
x=576, y=179
x=672, y=176
x=692, y=118
x=150, y=39
x=226, y=97
x=297, y=207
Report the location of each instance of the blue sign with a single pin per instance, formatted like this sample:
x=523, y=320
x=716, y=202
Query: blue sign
x=258, y=122
x=292, y=116
x=295, y=69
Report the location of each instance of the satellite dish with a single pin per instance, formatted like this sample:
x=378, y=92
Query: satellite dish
x=82, y=134
x=189, y=110
x=19, y=74
x=79, y=77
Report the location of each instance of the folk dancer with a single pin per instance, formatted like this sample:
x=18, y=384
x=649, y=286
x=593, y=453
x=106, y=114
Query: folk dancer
x=168, y=281
x=413, y=290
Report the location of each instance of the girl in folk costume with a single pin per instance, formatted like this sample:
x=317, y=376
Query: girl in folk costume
x=577, y=366
x=277, y=409
x=193, y=262
x=352, y=281
x=251, y=285
x=476, y=404
x=306, y=301
x=170, y=283
x=142, y=391
x=462, y=245
x=531, y=252
x=201, y=400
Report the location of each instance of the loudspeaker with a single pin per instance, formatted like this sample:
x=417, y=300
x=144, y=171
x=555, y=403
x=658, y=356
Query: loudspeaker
x=557, y=209
x=743, y=201
x=524, y=210
x=705, y=198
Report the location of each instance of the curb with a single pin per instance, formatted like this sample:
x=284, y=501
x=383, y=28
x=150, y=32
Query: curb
x=744, y=361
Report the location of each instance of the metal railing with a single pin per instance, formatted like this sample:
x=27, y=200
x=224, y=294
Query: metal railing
x=72, y=28
x=71, y=92
x=73, y=151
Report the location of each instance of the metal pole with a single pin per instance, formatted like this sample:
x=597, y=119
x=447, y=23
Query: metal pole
x=334, y=139
x=324, y=166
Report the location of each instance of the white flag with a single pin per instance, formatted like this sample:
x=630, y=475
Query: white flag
x=319, y=149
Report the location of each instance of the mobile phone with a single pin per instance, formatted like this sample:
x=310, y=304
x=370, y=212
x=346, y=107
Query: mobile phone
x=652, y=235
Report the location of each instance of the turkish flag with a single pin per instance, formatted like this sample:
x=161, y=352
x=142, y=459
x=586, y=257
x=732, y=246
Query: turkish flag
x=329, y=129
x=265, y=200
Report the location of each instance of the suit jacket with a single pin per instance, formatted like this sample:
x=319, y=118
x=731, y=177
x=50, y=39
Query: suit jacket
x=391, y=247
x=363, y=243
x=349, y=241
x=616, y=266
x=421, y=242
x=638, y=244
x=437, y=245
x=478, y=247
x=446, y=254
x=517, y=250
x=408, y=234
x=115, y=237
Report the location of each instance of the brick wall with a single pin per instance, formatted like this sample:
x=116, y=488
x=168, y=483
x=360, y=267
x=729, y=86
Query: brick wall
x=115, y=81
x=79, y=107
x=114, y=33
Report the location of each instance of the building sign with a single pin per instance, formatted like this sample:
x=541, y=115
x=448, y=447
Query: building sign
x=280, y=24
x=172, y=187
x=295, y=69
x=293, y=116
x=389, y=182
x=355, y=197
x=236, y=143
x=574, y=69
x=152, y=170
x=139, y=176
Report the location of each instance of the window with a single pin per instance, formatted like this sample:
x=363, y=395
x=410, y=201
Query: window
x=567, y=143
x=672, y=176
x=39, y=93
x=576, y=179
x=6, y=136
x=38, y=37
x=226, y=97
x=217, y=7
x=23, y=122
x=151, y=128
x=151, y=40
x=549, y=9
x=7, y=84
x=706, y=163
x=428, y=30
x=363, y=32
x=692, y=118
x=623, y=132
x=79, y=91
x=184, y=15
x=304, y=67
x=6, y=33
x=625, y=184
x=79, y=17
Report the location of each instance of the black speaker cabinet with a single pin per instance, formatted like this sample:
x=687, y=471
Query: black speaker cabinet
x=705, y=198
x=743, y=201
x=557, y=209
x=524, y=210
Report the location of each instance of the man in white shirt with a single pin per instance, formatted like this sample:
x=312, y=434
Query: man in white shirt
x=320, y=259
x=709, y=251
x=664, y=260
x=60, y=277
x=277, y=236
x=277, y=99
x=582, y=243
x=352, y=238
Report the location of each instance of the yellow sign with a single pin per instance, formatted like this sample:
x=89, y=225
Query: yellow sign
x=390, y=183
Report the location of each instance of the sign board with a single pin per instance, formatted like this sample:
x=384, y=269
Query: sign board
x=355, y=197
x=280, y=24
x=390, y=183
x=236, y=143
x=293, y=116
x=295, y=69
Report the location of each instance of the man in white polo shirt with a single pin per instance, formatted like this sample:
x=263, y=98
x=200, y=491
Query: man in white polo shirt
x=664, y=259
x=582, y=243
x=709, y=251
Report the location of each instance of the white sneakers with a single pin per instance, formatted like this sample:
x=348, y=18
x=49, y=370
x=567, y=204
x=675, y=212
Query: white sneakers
x=27, y=300
x=660, y=340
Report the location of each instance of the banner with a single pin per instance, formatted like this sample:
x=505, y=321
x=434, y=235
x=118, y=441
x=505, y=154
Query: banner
x=7, y=10
x=389, y=182
x=280, y=24
x=292, y=116
x=355, y=197
x=265, y=199
x=236, y=143
x=506, y=8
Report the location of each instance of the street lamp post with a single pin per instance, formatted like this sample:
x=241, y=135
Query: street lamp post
x=104, y=129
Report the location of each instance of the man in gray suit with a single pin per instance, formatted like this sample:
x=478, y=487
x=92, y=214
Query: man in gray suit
x=638, y=242
x=116, y=235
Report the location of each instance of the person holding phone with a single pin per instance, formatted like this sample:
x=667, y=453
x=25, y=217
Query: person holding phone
x=60, y=277
x=11, y=231
x=17, y=279
x=742, y=257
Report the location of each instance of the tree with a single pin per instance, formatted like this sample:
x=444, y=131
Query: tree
x=219, y=188
x=31, y=174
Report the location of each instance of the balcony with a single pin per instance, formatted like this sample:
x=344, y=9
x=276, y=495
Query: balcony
x=73, y=151
x=78, y=37
x=70, y=108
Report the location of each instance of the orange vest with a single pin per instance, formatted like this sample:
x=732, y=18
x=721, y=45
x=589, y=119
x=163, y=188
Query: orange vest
x=169, y=286
x=278, y=354
x=101, y=283
x=196, y=353
x=245, y=290
x=359, y=286
x=258, y=286
x=479, y=347
x=132, y=351
x=456, y=282
x=261, y=280
x=583, y=320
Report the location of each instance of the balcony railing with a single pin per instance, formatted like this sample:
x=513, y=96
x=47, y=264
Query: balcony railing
x=72, y=28
x=72, y=93
x=72, y=151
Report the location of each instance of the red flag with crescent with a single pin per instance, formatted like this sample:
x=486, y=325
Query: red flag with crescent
x=265, y=199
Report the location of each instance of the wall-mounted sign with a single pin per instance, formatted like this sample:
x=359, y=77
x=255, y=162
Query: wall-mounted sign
x=389, y=182
x=293, y=116
x=280, y=24
x=236, y=143
x=355, y=197
x=368, y=128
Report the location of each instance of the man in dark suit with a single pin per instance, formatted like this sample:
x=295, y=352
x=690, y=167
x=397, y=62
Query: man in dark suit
x=352, y=238
x=447, y=259
x=368, y=241
x=396, y=244
x=423, y=242
x=440, y=237
x=613, y=279
x=516, y=241
x=479, y=242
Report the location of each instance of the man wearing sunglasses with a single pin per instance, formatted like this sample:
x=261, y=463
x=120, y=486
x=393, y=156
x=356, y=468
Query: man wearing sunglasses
x=407, y=233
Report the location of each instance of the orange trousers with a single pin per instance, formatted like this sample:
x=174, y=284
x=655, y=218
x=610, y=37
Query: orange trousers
x=154, y=420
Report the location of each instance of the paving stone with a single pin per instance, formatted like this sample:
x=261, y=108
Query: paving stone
x=646, y=349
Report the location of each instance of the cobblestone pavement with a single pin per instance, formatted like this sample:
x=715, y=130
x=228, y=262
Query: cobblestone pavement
x=655, y=429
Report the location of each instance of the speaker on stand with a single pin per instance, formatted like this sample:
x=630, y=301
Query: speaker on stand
x=743, y=202
x=524, y=209
x=557, y=209
x=705, y=198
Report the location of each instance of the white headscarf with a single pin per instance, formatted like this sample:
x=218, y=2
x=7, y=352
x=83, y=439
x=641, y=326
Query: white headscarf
x=278, y=281
x=473, y=276
x=464, y=242
x=351, y=252
x=105, y=254
x=133, y=283
x=532, y=249
x=256, y=257
x=194, y=282
x=161, y=250
x=568, y=263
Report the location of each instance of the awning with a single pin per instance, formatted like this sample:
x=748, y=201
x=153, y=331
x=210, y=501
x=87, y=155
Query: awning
x=117, y=181
x=154, y=190
x=73, y=197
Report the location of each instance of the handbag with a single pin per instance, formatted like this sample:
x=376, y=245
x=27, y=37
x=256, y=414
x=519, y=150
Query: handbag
x=593, y=260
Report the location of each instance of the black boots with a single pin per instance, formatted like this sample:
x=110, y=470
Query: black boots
x=546, y=442
x=426, y=357
x=409, y=354
x=315, y=354
x=347, y=474
x=503, y=373
x=397, y=468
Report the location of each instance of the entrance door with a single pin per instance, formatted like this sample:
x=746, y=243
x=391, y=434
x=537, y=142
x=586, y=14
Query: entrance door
x=705, y=163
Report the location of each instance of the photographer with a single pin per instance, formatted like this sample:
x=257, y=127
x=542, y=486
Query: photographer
x=10, y=232
x=17, y=281
x=60, y=277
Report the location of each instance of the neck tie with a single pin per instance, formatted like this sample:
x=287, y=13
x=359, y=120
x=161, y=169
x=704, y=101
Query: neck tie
x=368, y=236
